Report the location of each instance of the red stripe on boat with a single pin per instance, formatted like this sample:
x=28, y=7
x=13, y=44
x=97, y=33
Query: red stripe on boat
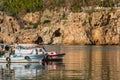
x=52, y=55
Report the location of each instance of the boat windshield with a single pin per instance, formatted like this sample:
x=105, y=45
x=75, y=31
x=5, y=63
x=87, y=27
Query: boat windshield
x=21, y=47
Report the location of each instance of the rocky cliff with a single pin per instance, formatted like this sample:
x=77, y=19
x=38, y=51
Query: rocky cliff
x=62, y=27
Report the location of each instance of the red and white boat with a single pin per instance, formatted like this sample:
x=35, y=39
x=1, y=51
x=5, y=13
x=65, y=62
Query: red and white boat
x=55, y=56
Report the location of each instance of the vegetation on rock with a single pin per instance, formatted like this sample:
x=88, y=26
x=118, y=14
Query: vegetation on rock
x=20, y=6
x=23, y=6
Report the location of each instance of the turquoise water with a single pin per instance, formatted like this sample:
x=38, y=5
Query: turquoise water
x=79, y=63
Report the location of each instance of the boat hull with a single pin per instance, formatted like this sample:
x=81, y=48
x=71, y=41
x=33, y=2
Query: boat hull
x=53, y=57
x=23, y=59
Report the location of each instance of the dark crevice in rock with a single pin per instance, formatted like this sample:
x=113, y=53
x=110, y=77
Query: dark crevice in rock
x=57, y=33
x=39, y=40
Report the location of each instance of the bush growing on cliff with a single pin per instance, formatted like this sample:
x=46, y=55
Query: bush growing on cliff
x=21, y=6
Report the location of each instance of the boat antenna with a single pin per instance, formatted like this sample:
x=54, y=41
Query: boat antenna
x=44, y=49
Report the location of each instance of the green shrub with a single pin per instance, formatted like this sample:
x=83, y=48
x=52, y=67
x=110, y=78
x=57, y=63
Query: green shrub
x=20, y=6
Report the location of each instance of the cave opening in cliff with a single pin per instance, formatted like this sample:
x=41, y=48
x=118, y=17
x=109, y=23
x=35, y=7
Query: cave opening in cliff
x=39, y=40
x=57, y=33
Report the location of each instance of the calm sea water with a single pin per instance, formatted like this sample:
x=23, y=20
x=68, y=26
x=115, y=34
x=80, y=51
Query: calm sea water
x=79, y=63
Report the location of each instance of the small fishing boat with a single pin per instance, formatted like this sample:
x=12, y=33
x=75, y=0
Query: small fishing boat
x=21, y=55
x=50, y=55
x=29, y=54
x=53, y=56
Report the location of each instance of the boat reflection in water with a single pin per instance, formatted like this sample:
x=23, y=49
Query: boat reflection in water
x=19, y=71
x=55, y=65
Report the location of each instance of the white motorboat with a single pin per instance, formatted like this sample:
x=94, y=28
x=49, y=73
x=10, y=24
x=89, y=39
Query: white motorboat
x=31, y=54
x=51, y=55
x=22, y=54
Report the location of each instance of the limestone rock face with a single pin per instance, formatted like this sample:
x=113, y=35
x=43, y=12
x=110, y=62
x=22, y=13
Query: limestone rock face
x=75, y=34
x=8, y=26
x=98, y=36
x=32, y=17
x=26, y=36
x=105, y=27
x=62, y=27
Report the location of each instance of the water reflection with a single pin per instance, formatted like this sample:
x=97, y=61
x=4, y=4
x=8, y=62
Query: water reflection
x=19, y=71
x=28, y=71
x=55, y=65
x=79, y=63
x=92, y=62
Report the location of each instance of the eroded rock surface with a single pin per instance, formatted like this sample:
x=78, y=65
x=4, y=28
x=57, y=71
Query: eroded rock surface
x=63, y=27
